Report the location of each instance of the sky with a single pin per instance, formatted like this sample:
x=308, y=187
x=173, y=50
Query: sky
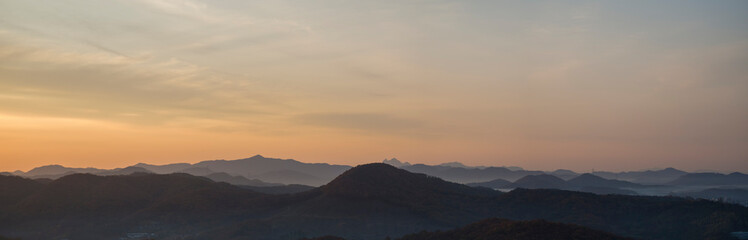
x=581, y=85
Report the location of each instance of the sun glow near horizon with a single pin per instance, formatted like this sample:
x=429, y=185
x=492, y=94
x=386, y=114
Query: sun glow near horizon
x=541, y=85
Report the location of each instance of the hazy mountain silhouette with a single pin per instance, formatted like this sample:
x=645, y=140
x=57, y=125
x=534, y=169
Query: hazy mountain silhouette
x=584, y=183
x=274, y=170
x=57, y=171
x=503, y=229
x=239, y=180
x=292, y=177
x=590, y=180
x=367, y=202
x=644, y=177
x=395, y=162
x=196, y=171
x=711, y=179
x=162, y=169
x=564, y=174
x=469, y=175
x=540, y=181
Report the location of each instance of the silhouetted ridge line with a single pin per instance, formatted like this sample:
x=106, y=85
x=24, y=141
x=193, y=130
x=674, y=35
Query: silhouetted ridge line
x=385, y=181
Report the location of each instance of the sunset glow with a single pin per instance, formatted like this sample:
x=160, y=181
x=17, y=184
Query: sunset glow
x=617, y=85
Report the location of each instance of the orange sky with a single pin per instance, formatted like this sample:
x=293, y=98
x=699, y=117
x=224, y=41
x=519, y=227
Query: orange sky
x=541, y=85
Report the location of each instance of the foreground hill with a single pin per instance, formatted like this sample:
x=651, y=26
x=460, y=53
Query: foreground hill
x=372, y=201
x=502, y=229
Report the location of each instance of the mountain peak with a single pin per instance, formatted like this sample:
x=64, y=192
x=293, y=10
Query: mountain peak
x=381, y=180
x=395, y=162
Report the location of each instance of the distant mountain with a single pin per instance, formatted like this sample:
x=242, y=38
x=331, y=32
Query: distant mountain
x=540, y=181
x=123, y=171
x=469, y=175
x=711, y=179
x=644, y=177
x=454, y=165
x=284, y=171
x=564, y=174
x=239, y=180
x=197, y=171
x=291, y=177
x=163, y=169
x=56, y=171
x=395, y=162
x=502, y=229
x=590, y=180
x=494, y=184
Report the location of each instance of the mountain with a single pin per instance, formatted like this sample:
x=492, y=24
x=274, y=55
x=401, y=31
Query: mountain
x=385, y=182
x=123, y=171
x=282, y=189
x=453, y=165
x=163, y=169
x=197, y=171
x=469, y=175
x=239, y=180
x=711, y=179
x=284, y=171
x=371, y=201
x=395, y=162
x=56, y=171
x=730, y=195
x=605, y=190
x=494, y=184
x=540, y=181
x=291, y=177
x=14, y=188
x=590, y=180
x=564, y=174
x=86, y=206
x=644, y=177
x=503, y=229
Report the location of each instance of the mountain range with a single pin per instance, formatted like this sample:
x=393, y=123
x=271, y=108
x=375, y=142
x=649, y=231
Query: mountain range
x=371, y=201
x=272, y=175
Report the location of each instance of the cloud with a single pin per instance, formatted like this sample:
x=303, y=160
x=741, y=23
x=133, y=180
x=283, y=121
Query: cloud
x=103, y=85
x=370, y=122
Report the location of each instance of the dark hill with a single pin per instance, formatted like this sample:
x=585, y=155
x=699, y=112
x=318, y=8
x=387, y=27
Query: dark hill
x=379, y=180
x=494, y=184
x=370, y=201
x=13, y=189
x=642, y=217
x=239, y=180
x=502, y=229
x=90, y=194
x=540, y=181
